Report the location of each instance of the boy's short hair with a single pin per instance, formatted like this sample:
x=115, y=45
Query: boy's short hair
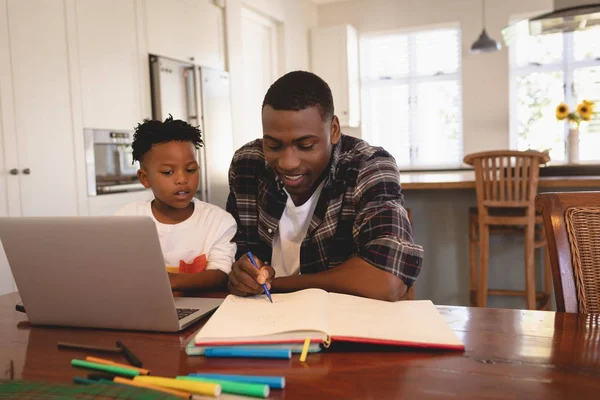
x=152, y=132
x=299, y=90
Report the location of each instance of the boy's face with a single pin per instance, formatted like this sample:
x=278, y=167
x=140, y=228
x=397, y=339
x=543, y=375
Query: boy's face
x=297, y=145
x=170, y=169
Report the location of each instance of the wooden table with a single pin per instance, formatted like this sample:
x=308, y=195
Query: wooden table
x=466, y=180
x=509, y=354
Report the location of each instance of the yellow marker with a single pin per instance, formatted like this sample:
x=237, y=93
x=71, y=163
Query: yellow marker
x=172, y=269
x=209, y=389
x=96, y=360
x=305, y=350
x=129, y=382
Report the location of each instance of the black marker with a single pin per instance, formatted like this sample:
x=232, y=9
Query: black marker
x=97, y=376
x=133, y=360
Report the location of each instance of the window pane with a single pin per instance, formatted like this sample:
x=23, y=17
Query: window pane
x=540, y=49
x=437, y=52
x=438, y=139
x=586, y=44
x=587, y=87
x=538, y=94
x=384, y=56
x=386, y=120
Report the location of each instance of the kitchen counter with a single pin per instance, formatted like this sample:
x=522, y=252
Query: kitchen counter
x=466, y=180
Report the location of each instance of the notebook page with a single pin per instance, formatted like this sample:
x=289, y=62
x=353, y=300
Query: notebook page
x=251, y=317
x=416, y=322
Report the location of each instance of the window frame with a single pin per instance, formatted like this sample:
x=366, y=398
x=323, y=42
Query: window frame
x=568, y=65
x=412, y=80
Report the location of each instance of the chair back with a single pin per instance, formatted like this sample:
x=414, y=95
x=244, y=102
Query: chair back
x=506, y=178
x=572, y=225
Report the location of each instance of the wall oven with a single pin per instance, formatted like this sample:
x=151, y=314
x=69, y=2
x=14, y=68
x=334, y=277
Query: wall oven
x=109, y=162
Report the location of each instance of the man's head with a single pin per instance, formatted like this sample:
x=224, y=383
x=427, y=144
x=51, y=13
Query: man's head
x=167, y=156
x=299, y=131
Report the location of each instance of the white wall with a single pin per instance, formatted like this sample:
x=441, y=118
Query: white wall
x=485, y=77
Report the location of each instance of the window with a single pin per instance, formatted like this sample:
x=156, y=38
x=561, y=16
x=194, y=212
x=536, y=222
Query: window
x=411, y=96
x=546, y=70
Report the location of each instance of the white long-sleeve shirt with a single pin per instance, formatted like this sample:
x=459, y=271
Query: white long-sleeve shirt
x=209, y=231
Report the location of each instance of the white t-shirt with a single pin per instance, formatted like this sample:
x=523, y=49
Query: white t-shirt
x=291, y=231
x=209, y=231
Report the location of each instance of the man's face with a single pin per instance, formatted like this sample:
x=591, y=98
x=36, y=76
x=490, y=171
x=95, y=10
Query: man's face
x=297, y=145
x=171, y=170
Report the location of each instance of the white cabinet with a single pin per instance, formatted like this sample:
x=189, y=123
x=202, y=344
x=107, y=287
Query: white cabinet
x=109, y=64
x=186, y=30
x=335, y=59
x=37, y=125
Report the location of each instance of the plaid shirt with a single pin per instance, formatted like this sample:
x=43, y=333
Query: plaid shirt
x=359, y=213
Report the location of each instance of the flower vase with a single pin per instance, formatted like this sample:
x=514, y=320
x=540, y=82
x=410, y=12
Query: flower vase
x=573, y=146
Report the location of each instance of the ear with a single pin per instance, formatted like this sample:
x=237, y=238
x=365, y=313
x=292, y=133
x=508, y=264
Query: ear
x=143, y=177
x=335, y=131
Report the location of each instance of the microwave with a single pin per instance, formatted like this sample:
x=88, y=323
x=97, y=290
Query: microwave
x=109, y=162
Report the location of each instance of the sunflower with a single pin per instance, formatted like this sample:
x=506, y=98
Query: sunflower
x=585, y=110
x=562, y=111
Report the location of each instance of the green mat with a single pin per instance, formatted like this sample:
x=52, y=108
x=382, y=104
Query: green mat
x=43, y=390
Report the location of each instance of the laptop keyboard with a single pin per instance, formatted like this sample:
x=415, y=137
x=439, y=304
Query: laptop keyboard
x=184, y=312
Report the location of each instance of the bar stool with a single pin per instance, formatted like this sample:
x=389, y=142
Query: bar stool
x=506, y=185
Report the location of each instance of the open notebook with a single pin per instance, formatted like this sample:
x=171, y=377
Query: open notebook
x=324, y=317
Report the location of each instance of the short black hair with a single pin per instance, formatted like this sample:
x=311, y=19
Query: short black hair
x=152, y=132
x=299, y=90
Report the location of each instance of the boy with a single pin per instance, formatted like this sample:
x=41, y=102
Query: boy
x=195, y=237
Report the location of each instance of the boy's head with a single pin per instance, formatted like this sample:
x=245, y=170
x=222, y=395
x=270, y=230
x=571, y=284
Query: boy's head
x=299, y=131
x=167, y=155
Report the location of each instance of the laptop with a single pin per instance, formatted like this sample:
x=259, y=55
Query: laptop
x=96, y=272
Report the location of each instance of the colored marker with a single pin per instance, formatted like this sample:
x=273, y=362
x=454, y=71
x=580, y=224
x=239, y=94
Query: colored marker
x=129, y=382
x=99, y=376
x=75, y=346
x=112, y=369
x=305, y=350
x=205, y=388
x=131, y=358
x=245, y=389
x=97, y=360
x=83, y=381
x=274, y=382
x=251, y=257
x=236, y=352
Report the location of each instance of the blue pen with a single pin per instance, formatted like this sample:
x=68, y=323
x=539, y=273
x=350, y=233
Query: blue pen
x=237, y=352
x=264, y=284
x=274, y=382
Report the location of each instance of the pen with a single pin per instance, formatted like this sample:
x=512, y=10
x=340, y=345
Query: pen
x=264, y=284
x=133, y=360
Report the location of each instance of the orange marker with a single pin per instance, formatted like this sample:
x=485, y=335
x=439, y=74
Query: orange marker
x=142, y=371
x=178, y=393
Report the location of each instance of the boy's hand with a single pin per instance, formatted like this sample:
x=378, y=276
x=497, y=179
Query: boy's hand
x=246, y=280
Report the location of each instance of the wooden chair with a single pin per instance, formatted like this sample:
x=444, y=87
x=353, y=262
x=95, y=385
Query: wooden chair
x=572, y=224
x=506, y=184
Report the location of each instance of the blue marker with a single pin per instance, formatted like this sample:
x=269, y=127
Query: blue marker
x=239, y=352
x=274, y=382
x=264, y=284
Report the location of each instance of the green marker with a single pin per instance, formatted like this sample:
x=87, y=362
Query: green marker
x=245, y=389
x=121, y=371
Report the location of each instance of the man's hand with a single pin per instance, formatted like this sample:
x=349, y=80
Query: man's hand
x=246, y=280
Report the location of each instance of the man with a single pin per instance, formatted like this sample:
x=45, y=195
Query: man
x=317, y=209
